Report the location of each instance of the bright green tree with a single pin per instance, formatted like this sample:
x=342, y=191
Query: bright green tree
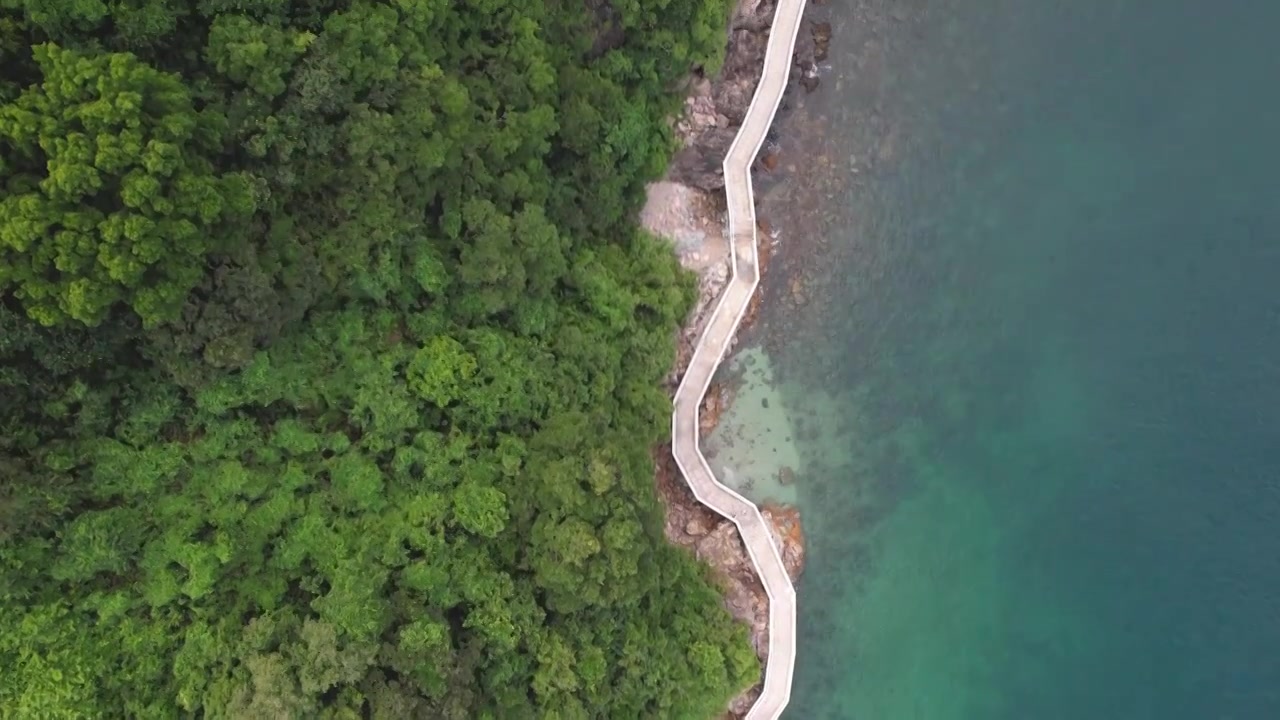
x=109, y=192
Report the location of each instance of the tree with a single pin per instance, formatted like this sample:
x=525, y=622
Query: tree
x=329, y=363
x=109, y=195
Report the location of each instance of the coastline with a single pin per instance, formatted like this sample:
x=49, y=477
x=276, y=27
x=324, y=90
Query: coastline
x=862, y=146
x=846, y=140
x=686, y=209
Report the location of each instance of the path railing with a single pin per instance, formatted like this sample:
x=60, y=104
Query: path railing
x=711, y=349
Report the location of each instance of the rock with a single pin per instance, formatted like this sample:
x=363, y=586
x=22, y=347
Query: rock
x=717, y=399
x=720, y=273
x=733, y=98
x=723, y=549
x=786, y=476
x=687, y=239
x=798, y=296
x=770, y=160
x=887, y=147
x=809, y=78
x=821, y=32
x=672, y=211
x=741, y=705
x=748, y=8
x=696, y=527
x=714, y=109
x=784, y=526
x=744, y=596
x=700, y=163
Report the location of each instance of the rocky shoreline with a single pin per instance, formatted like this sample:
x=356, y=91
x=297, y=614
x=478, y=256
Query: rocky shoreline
x=688, y=208
x=715, y=541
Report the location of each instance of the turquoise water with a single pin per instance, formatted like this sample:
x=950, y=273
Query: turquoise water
x=1052, y=346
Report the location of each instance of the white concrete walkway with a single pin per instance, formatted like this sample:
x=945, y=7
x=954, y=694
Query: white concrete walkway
x=711, y=349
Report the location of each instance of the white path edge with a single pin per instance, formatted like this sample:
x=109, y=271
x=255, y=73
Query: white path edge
x=711, y=349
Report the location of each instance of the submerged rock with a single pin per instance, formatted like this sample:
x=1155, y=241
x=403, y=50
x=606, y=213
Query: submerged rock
x=821, y=32
x=786, y=476
x=788, y=534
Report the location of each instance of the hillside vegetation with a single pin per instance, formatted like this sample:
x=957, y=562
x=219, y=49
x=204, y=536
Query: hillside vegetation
x=330, y=360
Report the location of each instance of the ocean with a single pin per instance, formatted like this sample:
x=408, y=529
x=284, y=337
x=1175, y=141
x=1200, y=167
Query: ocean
x=1019, y=361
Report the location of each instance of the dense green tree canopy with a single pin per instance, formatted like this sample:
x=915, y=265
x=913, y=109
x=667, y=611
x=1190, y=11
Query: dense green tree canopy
x=329, y=358
x=110, y=193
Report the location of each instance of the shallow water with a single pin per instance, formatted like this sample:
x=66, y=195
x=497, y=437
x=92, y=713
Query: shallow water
x=1031, y=397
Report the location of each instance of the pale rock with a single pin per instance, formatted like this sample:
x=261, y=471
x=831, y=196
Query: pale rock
x=696, y=527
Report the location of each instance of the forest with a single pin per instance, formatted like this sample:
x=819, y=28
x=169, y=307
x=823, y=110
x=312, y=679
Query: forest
x=331, y=362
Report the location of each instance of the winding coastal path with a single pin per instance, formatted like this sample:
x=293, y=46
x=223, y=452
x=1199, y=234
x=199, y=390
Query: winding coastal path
x=711, y=349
